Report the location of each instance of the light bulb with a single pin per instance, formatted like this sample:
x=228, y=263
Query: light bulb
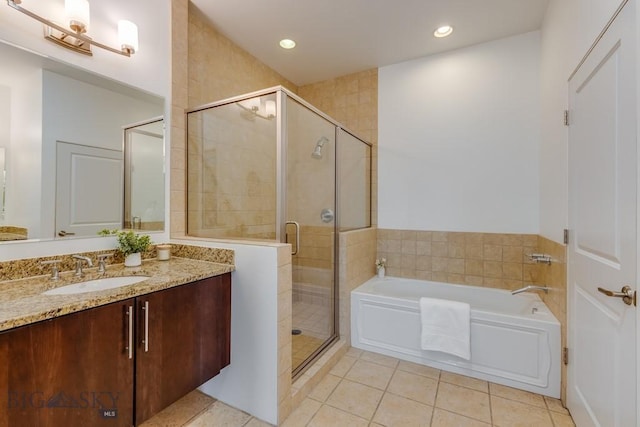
x=78, y=15
x=254, y=104
x=443, y=31
x=270, y=107
x=128, y=36
x=287, y=44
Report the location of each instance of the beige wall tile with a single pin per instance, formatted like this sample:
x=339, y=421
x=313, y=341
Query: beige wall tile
x=492, y=252
x=492, y=269
x=474, y=267
x=455, y=265
x=440, y=249
x=474, y=251
x=512, y=254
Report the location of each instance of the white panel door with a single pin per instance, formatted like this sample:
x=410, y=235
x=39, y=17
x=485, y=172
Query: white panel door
x=601, y=388
x=89, y=187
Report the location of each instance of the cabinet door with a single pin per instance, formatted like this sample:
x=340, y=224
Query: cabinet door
x=73, y=370
x=184, y=340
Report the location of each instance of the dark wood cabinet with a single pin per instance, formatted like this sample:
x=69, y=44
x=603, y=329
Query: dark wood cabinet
x=74, y=370
x=183, y=341
x=91, y=368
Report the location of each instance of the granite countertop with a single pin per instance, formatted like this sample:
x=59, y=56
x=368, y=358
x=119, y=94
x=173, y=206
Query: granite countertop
x=5, y=237
x=21, y=302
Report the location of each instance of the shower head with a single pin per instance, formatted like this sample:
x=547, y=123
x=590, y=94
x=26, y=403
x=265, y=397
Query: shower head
x=317, y=151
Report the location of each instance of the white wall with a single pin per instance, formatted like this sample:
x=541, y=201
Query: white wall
x=570, y=27
x=459, y=137
x=250, y=382
x=24, y=152
x=5, y=134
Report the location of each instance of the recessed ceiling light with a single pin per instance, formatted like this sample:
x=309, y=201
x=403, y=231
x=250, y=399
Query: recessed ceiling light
x=443, y=31
x=287, y=44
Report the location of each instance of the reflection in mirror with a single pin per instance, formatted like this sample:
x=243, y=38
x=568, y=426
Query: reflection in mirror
x=3, y=175
x=62, y=129
x=144, y=175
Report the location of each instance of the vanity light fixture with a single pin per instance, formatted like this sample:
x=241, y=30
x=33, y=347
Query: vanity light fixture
x=443, y=31
x=254, y=107
x=74, y=37
x=287, y=44
x=270, y=108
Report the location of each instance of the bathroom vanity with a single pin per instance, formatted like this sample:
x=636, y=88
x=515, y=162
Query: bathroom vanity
x=135, y=351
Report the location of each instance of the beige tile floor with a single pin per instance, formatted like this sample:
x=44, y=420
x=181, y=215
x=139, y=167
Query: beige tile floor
x=368, y=389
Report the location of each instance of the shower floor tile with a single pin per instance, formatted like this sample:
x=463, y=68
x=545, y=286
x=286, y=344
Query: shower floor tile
x=312, y=319
x=302, y=346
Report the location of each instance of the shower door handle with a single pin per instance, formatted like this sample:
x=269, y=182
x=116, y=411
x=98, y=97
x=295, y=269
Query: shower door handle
x=294, y=223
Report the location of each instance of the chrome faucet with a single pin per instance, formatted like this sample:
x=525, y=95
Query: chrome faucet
x=102, y=262
x=80, y=259
x=531, y=288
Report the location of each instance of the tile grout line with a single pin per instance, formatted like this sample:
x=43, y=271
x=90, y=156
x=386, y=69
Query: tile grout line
x=435, y=398
x=199, y=413
x=384, y=392
x=490, y=404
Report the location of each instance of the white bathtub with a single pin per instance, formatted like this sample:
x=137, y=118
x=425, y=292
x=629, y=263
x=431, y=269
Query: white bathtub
x=515, y=339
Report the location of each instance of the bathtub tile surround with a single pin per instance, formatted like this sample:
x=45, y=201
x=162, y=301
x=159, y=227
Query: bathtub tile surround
x=480, y=259
x=555, y=276
x=357, y=265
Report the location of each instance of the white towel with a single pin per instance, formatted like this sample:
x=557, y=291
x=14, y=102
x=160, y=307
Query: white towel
x=446, y=326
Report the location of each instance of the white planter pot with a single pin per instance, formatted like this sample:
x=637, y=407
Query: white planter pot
x=381, y=272
x=133, y=260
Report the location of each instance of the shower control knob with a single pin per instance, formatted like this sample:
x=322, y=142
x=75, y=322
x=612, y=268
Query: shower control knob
x=327, y=215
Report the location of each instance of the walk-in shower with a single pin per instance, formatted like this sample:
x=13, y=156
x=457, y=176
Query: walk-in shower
x=270, y=166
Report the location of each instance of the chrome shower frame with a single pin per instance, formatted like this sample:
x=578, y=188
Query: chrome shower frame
x=282, y=94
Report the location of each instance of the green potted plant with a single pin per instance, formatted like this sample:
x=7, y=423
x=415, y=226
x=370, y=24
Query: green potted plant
x=131, y=245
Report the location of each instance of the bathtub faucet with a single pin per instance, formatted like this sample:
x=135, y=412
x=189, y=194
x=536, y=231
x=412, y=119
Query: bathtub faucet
x=531, y=288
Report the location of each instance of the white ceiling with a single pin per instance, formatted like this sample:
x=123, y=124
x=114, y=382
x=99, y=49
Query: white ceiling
x=339, y=37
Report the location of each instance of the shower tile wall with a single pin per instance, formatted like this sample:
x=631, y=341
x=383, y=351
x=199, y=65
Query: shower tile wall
x=219, y=69
x=215, y=69
x=353, y=101
x=232, y=174
x=313, y=280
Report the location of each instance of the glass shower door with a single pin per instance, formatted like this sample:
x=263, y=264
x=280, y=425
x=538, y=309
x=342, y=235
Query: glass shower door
x=310, y=211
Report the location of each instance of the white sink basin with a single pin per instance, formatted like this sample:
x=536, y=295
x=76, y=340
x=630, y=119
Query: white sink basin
x=96, y=285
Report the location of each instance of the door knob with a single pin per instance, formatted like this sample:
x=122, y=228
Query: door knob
x=627, y=294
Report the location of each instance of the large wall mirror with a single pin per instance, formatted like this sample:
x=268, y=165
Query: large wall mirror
x=64, y=133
